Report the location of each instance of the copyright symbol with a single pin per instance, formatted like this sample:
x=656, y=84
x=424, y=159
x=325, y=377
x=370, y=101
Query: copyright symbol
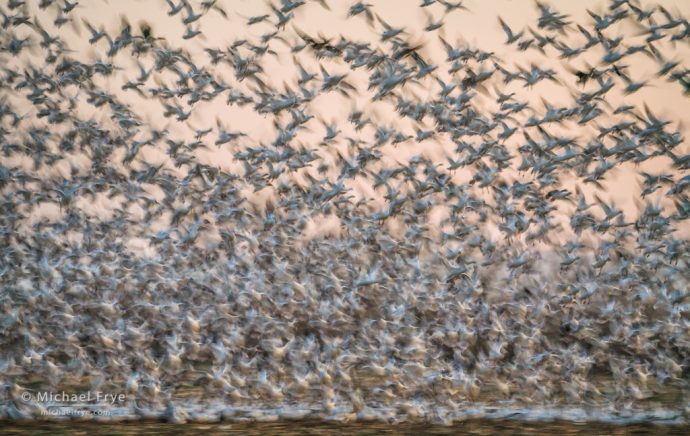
x=26, y=396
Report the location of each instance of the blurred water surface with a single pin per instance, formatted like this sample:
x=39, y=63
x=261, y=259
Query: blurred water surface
x=473, y=427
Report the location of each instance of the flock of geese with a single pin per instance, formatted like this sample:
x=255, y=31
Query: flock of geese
x=326, y=273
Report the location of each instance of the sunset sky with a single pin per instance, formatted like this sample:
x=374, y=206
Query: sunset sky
x=477, y=27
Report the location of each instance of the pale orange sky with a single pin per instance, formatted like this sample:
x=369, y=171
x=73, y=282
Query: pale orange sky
x=478, y=28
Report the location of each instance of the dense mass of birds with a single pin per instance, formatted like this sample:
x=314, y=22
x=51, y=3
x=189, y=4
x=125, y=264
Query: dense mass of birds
x=275, y=284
